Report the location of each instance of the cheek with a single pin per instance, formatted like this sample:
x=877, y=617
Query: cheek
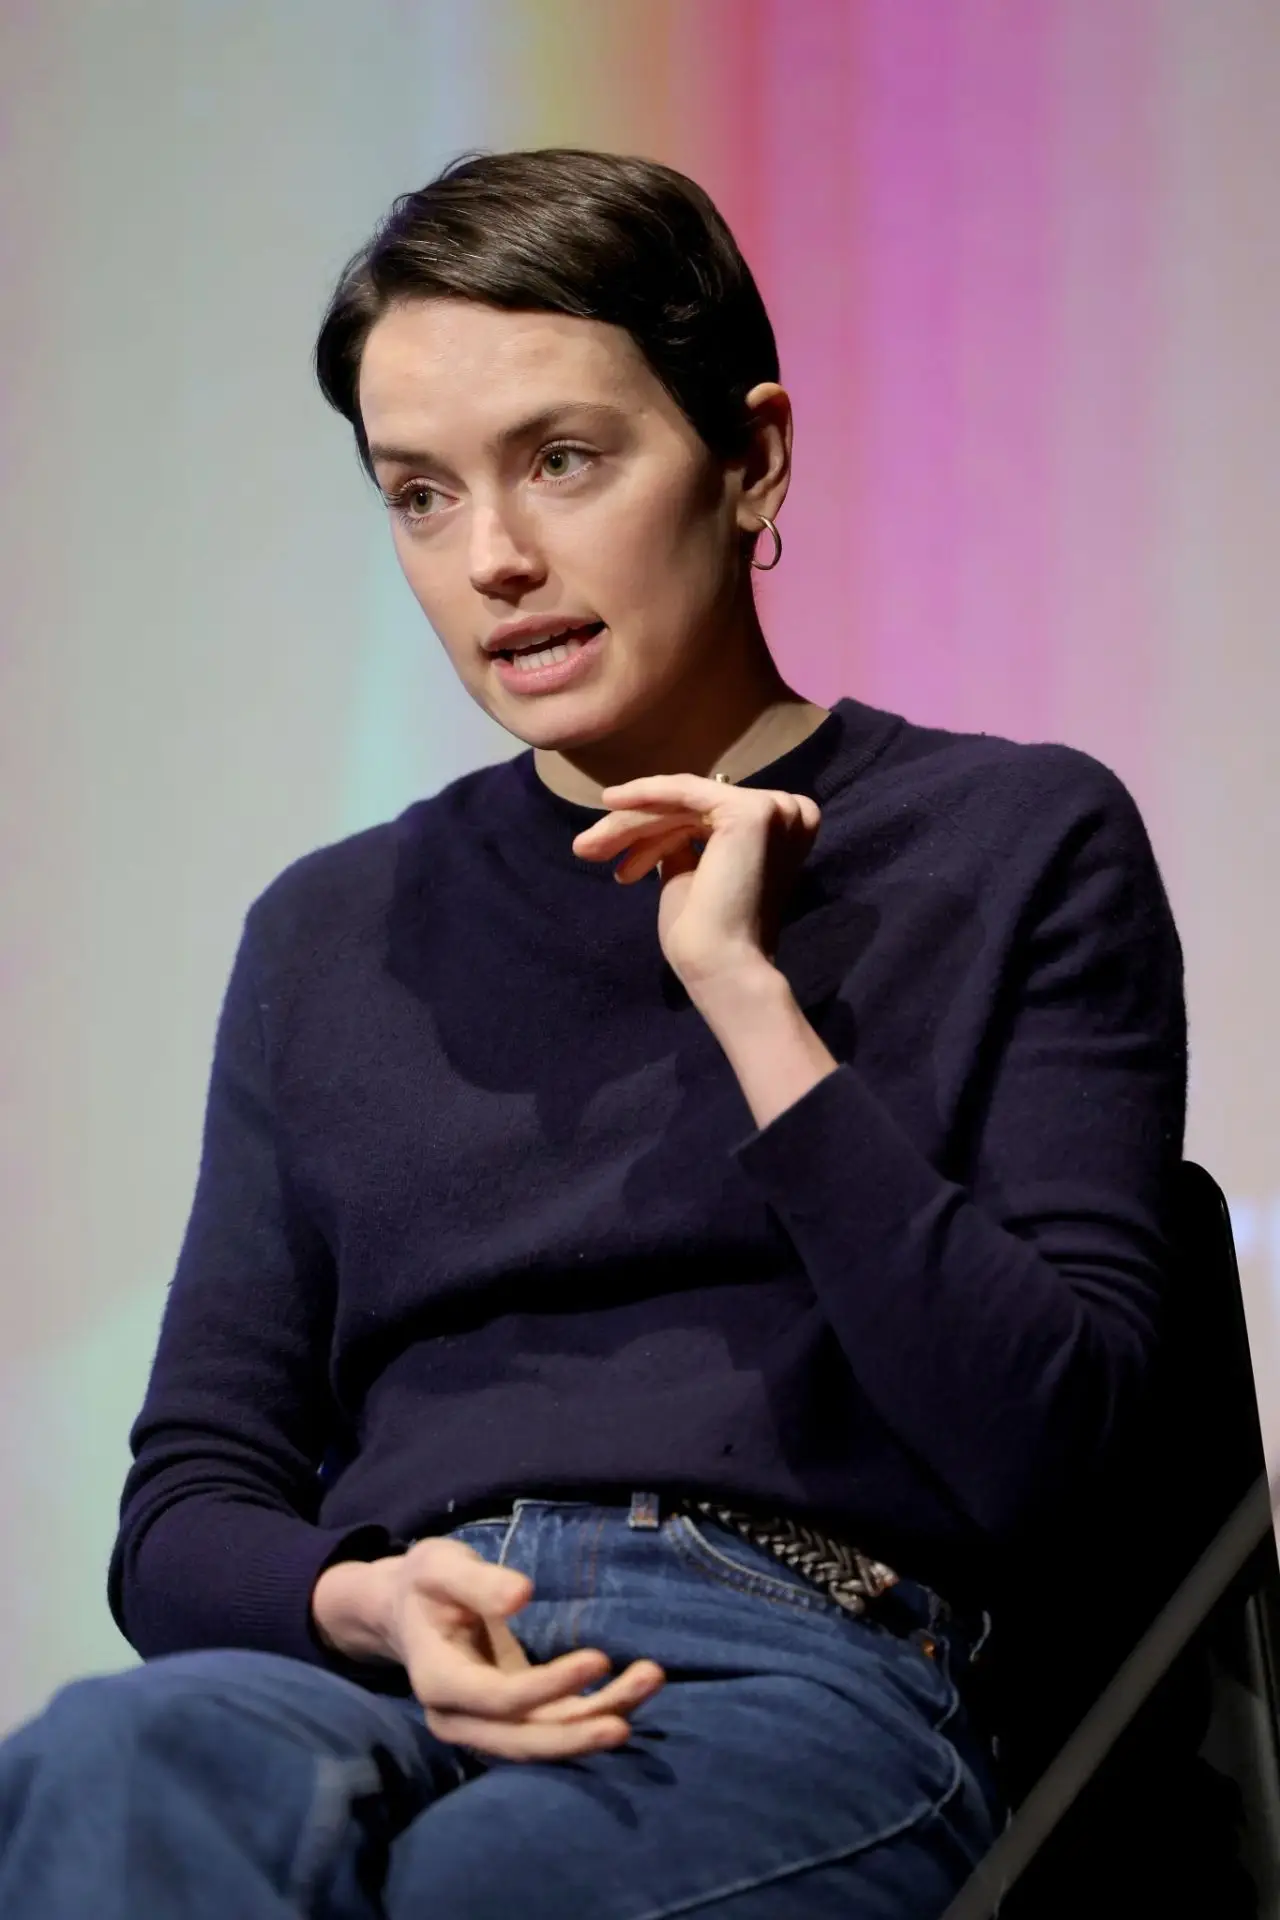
x=665, y=547
x=426, y=572
x=439, y=589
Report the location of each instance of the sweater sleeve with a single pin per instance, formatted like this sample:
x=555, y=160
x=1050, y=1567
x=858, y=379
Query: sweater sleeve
x=218, y=1543
x=1003, y=1325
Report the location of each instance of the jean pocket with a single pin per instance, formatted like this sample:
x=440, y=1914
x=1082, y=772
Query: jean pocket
x=484, y=1537
x=723, y=1556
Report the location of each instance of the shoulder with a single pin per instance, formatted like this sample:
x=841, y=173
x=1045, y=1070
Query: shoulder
x=341, y=893
x=1007, y=797
x=1047, y=843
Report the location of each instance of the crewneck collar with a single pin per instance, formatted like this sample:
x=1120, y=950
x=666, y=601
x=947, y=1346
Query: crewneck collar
x=821, y=764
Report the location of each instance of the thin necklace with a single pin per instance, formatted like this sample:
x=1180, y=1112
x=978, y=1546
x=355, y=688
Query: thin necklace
x=727, y=780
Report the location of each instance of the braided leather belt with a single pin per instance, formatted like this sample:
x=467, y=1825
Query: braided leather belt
x=850, y=1578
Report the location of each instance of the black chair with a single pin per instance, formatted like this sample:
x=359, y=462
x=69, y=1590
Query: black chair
x=1184, y=1815
x=1242, y=1636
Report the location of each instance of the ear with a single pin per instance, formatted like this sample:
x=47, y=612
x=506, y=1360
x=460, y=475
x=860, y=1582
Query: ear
x=766, y=466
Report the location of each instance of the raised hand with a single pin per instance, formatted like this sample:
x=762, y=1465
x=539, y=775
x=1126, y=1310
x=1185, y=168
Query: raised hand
x=719, y=909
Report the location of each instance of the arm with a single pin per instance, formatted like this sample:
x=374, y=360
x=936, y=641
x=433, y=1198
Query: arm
x=218, y=1543
x=775, y=1053
x=1004, y=1328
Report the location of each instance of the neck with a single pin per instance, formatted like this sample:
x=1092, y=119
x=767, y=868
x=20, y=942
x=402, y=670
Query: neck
x=731, y=723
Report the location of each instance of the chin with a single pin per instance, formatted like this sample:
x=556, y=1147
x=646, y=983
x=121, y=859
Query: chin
x=560, y=722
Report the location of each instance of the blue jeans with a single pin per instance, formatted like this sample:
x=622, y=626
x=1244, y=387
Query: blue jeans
x=800, y=1764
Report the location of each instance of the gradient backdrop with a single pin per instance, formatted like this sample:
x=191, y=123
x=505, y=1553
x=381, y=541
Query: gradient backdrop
x=1024, y=264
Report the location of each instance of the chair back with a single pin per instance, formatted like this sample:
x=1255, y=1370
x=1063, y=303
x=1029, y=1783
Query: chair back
x=1157, y=1828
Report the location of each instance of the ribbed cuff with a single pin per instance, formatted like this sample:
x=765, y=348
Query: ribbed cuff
x=220, y=1573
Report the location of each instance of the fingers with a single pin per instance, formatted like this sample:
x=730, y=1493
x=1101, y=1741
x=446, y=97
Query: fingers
x=646, y=837
x=449, y=1571
x=687, y=802
x=633, y=827
x=796, y=811
x=657, y=840
x=693, y=793
x=529, y=1740
x=644, y=858
x=561, y=1729
x=456, y=1679
x=665, y=792
x=502, y=1646
x=622, y=1695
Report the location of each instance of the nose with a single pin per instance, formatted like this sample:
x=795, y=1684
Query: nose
x=503, y=554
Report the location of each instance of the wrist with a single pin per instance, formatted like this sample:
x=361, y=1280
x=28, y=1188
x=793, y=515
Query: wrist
x=349, y=1609
x=774, y=1051
x=741, y=994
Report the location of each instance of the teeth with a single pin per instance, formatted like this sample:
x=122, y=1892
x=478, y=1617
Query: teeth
x=546, y=656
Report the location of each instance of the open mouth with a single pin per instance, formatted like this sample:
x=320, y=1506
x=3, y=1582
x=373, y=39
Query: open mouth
x=556, y=646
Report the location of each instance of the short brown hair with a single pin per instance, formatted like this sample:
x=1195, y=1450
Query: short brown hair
x=601, y=235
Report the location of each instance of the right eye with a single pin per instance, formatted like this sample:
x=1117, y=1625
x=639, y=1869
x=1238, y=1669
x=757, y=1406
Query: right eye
x=401, y=505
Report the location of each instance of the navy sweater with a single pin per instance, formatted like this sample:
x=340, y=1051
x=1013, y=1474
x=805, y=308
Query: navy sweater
x=481, y=1209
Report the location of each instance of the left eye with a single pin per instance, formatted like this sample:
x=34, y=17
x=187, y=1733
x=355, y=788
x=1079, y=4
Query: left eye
x=554, y=462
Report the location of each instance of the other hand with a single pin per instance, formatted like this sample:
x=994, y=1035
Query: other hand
x=441, y=1610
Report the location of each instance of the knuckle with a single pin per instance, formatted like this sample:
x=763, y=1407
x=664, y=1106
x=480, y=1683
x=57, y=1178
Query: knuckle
x=436, y=1564
x=426, y=1556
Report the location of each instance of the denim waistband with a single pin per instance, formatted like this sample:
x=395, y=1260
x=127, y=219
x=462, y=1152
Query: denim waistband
x=909, y=1607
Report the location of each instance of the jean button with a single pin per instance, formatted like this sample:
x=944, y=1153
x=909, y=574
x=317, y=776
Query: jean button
x=645, y=1511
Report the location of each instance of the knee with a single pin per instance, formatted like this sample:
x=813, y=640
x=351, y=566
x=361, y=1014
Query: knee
x=118, y=1707
x=88, y=1731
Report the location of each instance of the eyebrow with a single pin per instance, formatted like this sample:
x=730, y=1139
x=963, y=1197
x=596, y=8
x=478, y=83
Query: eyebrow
x=533, y=425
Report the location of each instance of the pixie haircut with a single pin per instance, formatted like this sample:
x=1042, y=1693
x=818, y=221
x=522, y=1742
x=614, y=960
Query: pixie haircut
x=599, y=235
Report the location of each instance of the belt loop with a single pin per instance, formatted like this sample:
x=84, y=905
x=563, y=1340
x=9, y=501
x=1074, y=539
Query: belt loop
x=644, y=1510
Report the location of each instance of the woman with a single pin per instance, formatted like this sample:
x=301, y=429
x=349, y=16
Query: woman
x=623, y=1330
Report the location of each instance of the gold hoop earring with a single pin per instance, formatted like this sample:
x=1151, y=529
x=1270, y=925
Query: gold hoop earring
x=769, y=565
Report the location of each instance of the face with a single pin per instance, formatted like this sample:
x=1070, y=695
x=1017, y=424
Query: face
x=542, y=481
